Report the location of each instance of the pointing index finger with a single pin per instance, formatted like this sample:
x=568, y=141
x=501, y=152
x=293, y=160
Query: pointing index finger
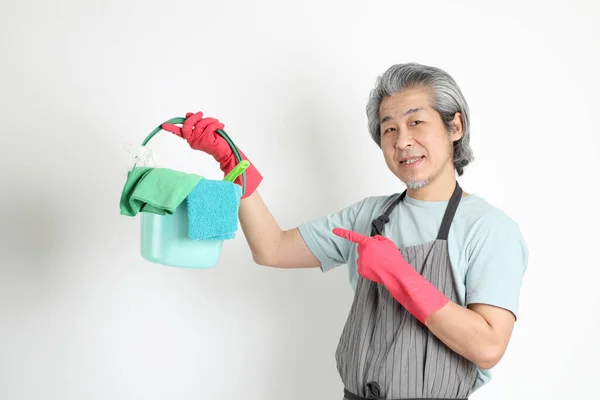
x=349, y=235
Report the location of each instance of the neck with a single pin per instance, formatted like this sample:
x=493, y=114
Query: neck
x=439, y=189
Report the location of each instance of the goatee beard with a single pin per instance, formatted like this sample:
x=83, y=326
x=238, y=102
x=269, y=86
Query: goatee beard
x=417, y=184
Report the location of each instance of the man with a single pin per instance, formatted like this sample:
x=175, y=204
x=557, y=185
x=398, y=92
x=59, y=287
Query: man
x=436, y=271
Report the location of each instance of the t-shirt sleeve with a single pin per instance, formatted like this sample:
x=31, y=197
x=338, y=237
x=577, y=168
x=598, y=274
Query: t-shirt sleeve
x=330, y=249
x=498, y=257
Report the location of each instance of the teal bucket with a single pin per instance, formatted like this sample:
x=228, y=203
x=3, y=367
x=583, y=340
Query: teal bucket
x=164, y=238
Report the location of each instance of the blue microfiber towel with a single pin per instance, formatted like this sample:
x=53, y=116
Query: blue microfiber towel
x=213, y=210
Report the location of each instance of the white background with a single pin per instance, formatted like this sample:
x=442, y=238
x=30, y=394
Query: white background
x=83, y=316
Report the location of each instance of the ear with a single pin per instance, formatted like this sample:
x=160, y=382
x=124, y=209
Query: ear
x=457, y=127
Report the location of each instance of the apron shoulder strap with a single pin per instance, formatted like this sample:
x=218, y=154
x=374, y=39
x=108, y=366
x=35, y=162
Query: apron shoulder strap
x=379, y=222
x=449, y=214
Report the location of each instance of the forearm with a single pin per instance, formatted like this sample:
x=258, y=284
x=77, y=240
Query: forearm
x=467, y=333
x=262, y=232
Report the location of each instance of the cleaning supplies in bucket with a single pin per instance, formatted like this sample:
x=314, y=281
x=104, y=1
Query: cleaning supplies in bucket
x=184, y=217
x=156, y=190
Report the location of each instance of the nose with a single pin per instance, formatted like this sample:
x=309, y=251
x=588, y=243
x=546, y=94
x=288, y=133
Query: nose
x=404, y=139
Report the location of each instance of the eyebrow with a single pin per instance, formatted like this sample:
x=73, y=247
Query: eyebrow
x=407, y=112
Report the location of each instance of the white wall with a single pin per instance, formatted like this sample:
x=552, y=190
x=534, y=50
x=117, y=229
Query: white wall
x=83, y=316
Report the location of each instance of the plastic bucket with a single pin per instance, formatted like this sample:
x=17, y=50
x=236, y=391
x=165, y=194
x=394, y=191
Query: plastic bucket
x=164, y=238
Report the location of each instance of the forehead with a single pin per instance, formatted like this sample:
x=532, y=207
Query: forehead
x=400, y=103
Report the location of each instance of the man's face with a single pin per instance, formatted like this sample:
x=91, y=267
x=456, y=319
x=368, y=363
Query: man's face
x=415, y=143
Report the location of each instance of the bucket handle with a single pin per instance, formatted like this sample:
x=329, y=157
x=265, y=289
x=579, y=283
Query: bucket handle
x=242, y=164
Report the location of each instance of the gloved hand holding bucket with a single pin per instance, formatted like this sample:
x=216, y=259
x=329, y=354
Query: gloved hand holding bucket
x=201, y=134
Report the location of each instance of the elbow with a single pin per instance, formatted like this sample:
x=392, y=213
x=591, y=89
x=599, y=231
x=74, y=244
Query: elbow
x=489, y=357
x=259, y=260
x=487, y=363
x=262, y=260
x=267, y=256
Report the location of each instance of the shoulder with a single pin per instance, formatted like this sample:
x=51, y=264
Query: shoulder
x=480, y=216
x=491, y=229
x=375, y=205
x=485, y=214
x=475, y=206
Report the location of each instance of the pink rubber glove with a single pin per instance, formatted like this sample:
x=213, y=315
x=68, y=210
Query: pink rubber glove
x=380, y=261
x=201, y=135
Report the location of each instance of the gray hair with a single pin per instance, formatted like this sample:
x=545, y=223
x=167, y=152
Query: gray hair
x=447, y=100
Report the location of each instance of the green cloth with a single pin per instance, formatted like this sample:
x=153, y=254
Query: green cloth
x=155, y=190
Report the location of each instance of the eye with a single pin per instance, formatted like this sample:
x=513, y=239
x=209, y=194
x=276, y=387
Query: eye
x=389, y=130
x=417, y=122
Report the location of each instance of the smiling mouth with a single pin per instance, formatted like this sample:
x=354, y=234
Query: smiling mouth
x=411, y=160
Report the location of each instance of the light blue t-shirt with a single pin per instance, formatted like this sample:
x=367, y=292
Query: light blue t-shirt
x=486, y=247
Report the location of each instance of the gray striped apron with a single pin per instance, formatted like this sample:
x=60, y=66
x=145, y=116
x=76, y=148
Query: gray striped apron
x=384, y=352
